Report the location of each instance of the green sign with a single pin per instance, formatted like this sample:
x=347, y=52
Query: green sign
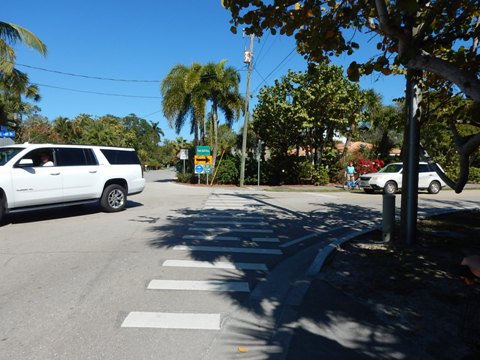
x=208, y=169
x=203, y=150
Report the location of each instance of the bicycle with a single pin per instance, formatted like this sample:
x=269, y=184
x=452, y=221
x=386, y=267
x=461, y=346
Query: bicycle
x=352, y=184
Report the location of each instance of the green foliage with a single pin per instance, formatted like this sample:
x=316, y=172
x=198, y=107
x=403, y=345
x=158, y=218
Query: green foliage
x=320, y=176
x=306, y=110
x=474, y=176
x=188, y=177
x=129, y=131
x=284, y=170
x=228, y=171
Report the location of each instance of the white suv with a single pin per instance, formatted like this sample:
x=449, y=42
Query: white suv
x=38, y=176
x=389, y=179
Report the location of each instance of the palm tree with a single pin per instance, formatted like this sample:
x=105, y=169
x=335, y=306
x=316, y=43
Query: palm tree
x=14, y=83
x=183, y=98
x=220, y=87
x=63, y=128
x=11, y=34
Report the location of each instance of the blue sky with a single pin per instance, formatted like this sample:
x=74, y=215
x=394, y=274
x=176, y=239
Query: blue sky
x=143, y=40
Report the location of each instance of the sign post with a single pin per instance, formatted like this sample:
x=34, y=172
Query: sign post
x=184, y=156
x=202, y=158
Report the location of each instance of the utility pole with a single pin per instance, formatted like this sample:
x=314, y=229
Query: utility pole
x=248, y=59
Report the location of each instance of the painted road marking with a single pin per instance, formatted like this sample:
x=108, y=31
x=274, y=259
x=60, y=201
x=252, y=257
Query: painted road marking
x=211, y=237
x=216, y=265
x=268, y=240
x=264, y=231
x=229, y=249
x=229, y=238
x=140, y=319
x=236, y=216
x=230, y=223
x=207, y=285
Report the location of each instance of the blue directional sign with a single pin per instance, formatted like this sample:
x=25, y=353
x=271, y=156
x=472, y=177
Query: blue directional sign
x=8, y=134
x=199, y=169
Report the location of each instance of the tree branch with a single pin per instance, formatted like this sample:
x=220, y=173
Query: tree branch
x=467, y=81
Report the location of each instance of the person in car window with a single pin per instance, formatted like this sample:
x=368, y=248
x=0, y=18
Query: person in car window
x=45, y=160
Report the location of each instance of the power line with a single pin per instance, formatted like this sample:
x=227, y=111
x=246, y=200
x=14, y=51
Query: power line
x=153, y=113
x=98, y=77
x=99, y=93
x=276, y=68
x=87, y=76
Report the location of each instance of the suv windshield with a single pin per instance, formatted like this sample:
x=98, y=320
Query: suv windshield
x=7, y=153
x=392, y=168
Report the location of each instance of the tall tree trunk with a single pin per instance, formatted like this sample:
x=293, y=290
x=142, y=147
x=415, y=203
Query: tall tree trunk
x=215, y=131
x=195, y=133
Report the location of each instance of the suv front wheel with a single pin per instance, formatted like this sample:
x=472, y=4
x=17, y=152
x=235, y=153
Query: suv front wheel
x=390, y=187
x=114, y=198
x=434, y=187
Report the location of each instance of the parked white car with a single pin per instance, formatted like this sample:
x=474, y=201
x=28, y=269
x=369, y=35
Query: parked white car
x=38, y=176
x=389, y=179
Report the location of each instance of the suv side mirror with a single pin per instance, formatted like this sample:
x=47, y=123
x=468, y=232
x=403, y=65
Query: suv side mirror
x=25, y=163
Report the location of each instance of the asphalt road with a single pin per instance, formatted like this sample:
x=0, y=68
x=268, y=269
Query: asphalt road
x=161, y=279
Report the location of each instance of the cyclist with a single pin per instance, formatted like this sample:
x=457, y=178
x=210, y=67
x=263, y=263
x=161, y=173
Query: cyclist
x=350, y=172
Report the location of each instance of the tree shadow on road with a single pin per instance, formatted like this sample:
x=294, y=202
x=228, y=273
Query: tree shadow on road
x=262, y=320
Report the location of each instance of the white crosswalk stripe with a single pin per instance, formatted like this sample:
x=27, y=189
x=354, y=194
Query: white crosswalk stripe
x=225, y=229
x=216, y=265
x=224, y=249
x=208, y=285
x=161, y=320
x=260, y=223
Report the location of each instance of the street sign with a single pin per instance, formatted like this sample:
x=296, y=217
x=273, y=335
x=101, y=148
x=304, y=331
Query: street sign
x=199, y=169
x=203, y=150
x=6, y=133
x=184, y=154
x=203, y=160
x=208, y=169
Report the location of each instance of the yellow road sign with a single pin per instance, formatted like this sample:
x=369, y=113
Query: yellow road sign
x=203, y=160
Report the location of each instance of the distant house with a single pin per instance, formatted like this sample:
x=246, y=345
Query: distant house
x=354, y=146
x=357, y=146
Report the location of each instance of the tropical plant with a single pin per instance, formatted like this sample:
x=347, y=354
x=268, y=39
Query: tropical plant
x=13, y=83
x=183, y=98
x=220, y=87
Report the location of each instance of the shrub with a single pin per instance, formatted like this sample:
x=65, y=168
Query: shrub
x=320, y=176
x=227, y=172
x=188, y=177
x=474, y=175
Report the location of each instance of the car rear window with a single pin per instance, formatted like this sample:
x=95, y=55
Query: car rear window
x=392, y=168
x=121, y=157
x=75, y=157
